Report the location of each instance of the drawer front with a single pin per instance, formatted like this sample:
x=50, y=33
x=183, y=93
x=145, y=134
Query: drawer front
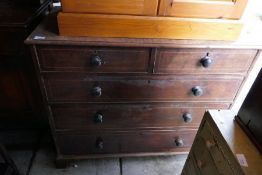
x=227, y=9
x=93, y=59
x=73, y=88
x=97, y=117
x=193, y=61
x=130, y=142
x=131, y=7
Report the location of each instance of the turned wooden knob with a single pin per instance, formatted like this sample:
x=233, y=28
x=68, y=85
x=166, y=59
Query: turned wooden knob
x=179, y=142
x=187, y=117
x=206, y=61
x=197, y=91
x=97, y=91
x=96, y=61
x=98, y=118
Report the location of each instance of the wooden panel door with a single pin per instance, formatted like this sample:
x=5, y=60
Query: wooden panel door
x=127, y=7
x=217, y=9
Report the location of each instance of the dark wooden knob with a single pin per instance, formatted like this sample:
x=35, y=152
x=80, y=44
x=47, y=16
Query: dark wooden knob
x=197, y=91
x=96, y=61
x=97, y=91
x=179, y=142
x=206, y=61
x=98, y=118
x=187, y=117
x=99, y=143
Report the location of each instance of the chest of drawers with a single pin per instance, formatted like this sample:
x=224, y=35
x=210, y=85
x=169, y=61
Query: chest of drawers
x=222, y=147
x=126, y=97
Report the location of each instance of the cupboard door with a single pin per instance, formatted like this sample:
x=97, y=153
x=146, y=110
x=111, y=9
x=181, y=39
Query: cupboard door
x=127, y=7
x=217, y=9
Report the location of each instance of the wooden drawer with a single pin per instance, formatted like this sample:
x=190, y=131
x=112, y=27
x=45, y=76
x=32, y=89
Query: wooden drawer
x=131, y=7
x=105, y=116
x=82, y=88
x=125, y=142
x=228, y=9
x=126, y=26
x=93, y=59
x=207, y=61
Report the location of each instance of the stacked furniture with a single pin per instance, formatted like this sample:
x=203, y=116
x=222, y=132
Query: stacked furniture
x=171, y=19
x=19, y=91
x=127, y=97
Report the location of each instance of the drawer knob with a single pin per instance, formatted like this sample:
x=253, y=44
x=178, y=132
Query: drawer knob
x=206, y=61
x=97, y=91
x=96, y=61
x=179, y=142
x=99, y=143
x=197, y=91
x=98, y=118
x=187, y=117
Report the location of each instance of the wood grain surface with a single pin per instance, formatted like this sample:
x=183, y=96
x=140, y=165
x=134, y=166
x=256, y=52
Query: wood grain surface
x=91, y=25
x=219, y=9
x=127, y=7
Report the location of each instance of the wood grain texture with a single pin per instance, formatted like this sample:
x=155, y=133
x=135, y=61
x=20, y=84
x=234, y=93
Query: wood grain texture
x=211, y=153
x=180, y=61
x=79, y=87
x=127, y=7
x=113, y=59
x=218, y=9
x=75, y=144
x=123, y=117
x=147, y=27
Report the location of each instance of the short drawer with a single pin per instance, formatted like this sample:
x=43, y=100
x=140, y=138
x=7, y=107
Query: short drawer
x=97, y=117
x=127, y=7
x=78, y=88
x=93, y=59
x=125, y=142
x=204, y=61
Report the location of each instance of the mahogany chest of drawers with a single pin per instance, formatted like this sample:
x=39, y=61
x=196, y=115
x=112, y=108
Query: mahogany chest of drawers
x=126, y=97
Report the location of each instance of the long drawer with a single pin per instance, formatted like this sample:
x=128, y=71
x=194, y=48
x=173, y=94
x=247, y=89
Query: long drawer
x=132, y=7
x=109, y=116
x=204, y=61
x=125, y=142
x=127, y=26
x=93, y=59
x=82, y=88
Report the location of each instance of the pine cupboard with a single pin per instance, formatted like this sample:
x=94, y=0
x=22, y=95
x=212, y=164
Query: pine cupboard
x=170, y=19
